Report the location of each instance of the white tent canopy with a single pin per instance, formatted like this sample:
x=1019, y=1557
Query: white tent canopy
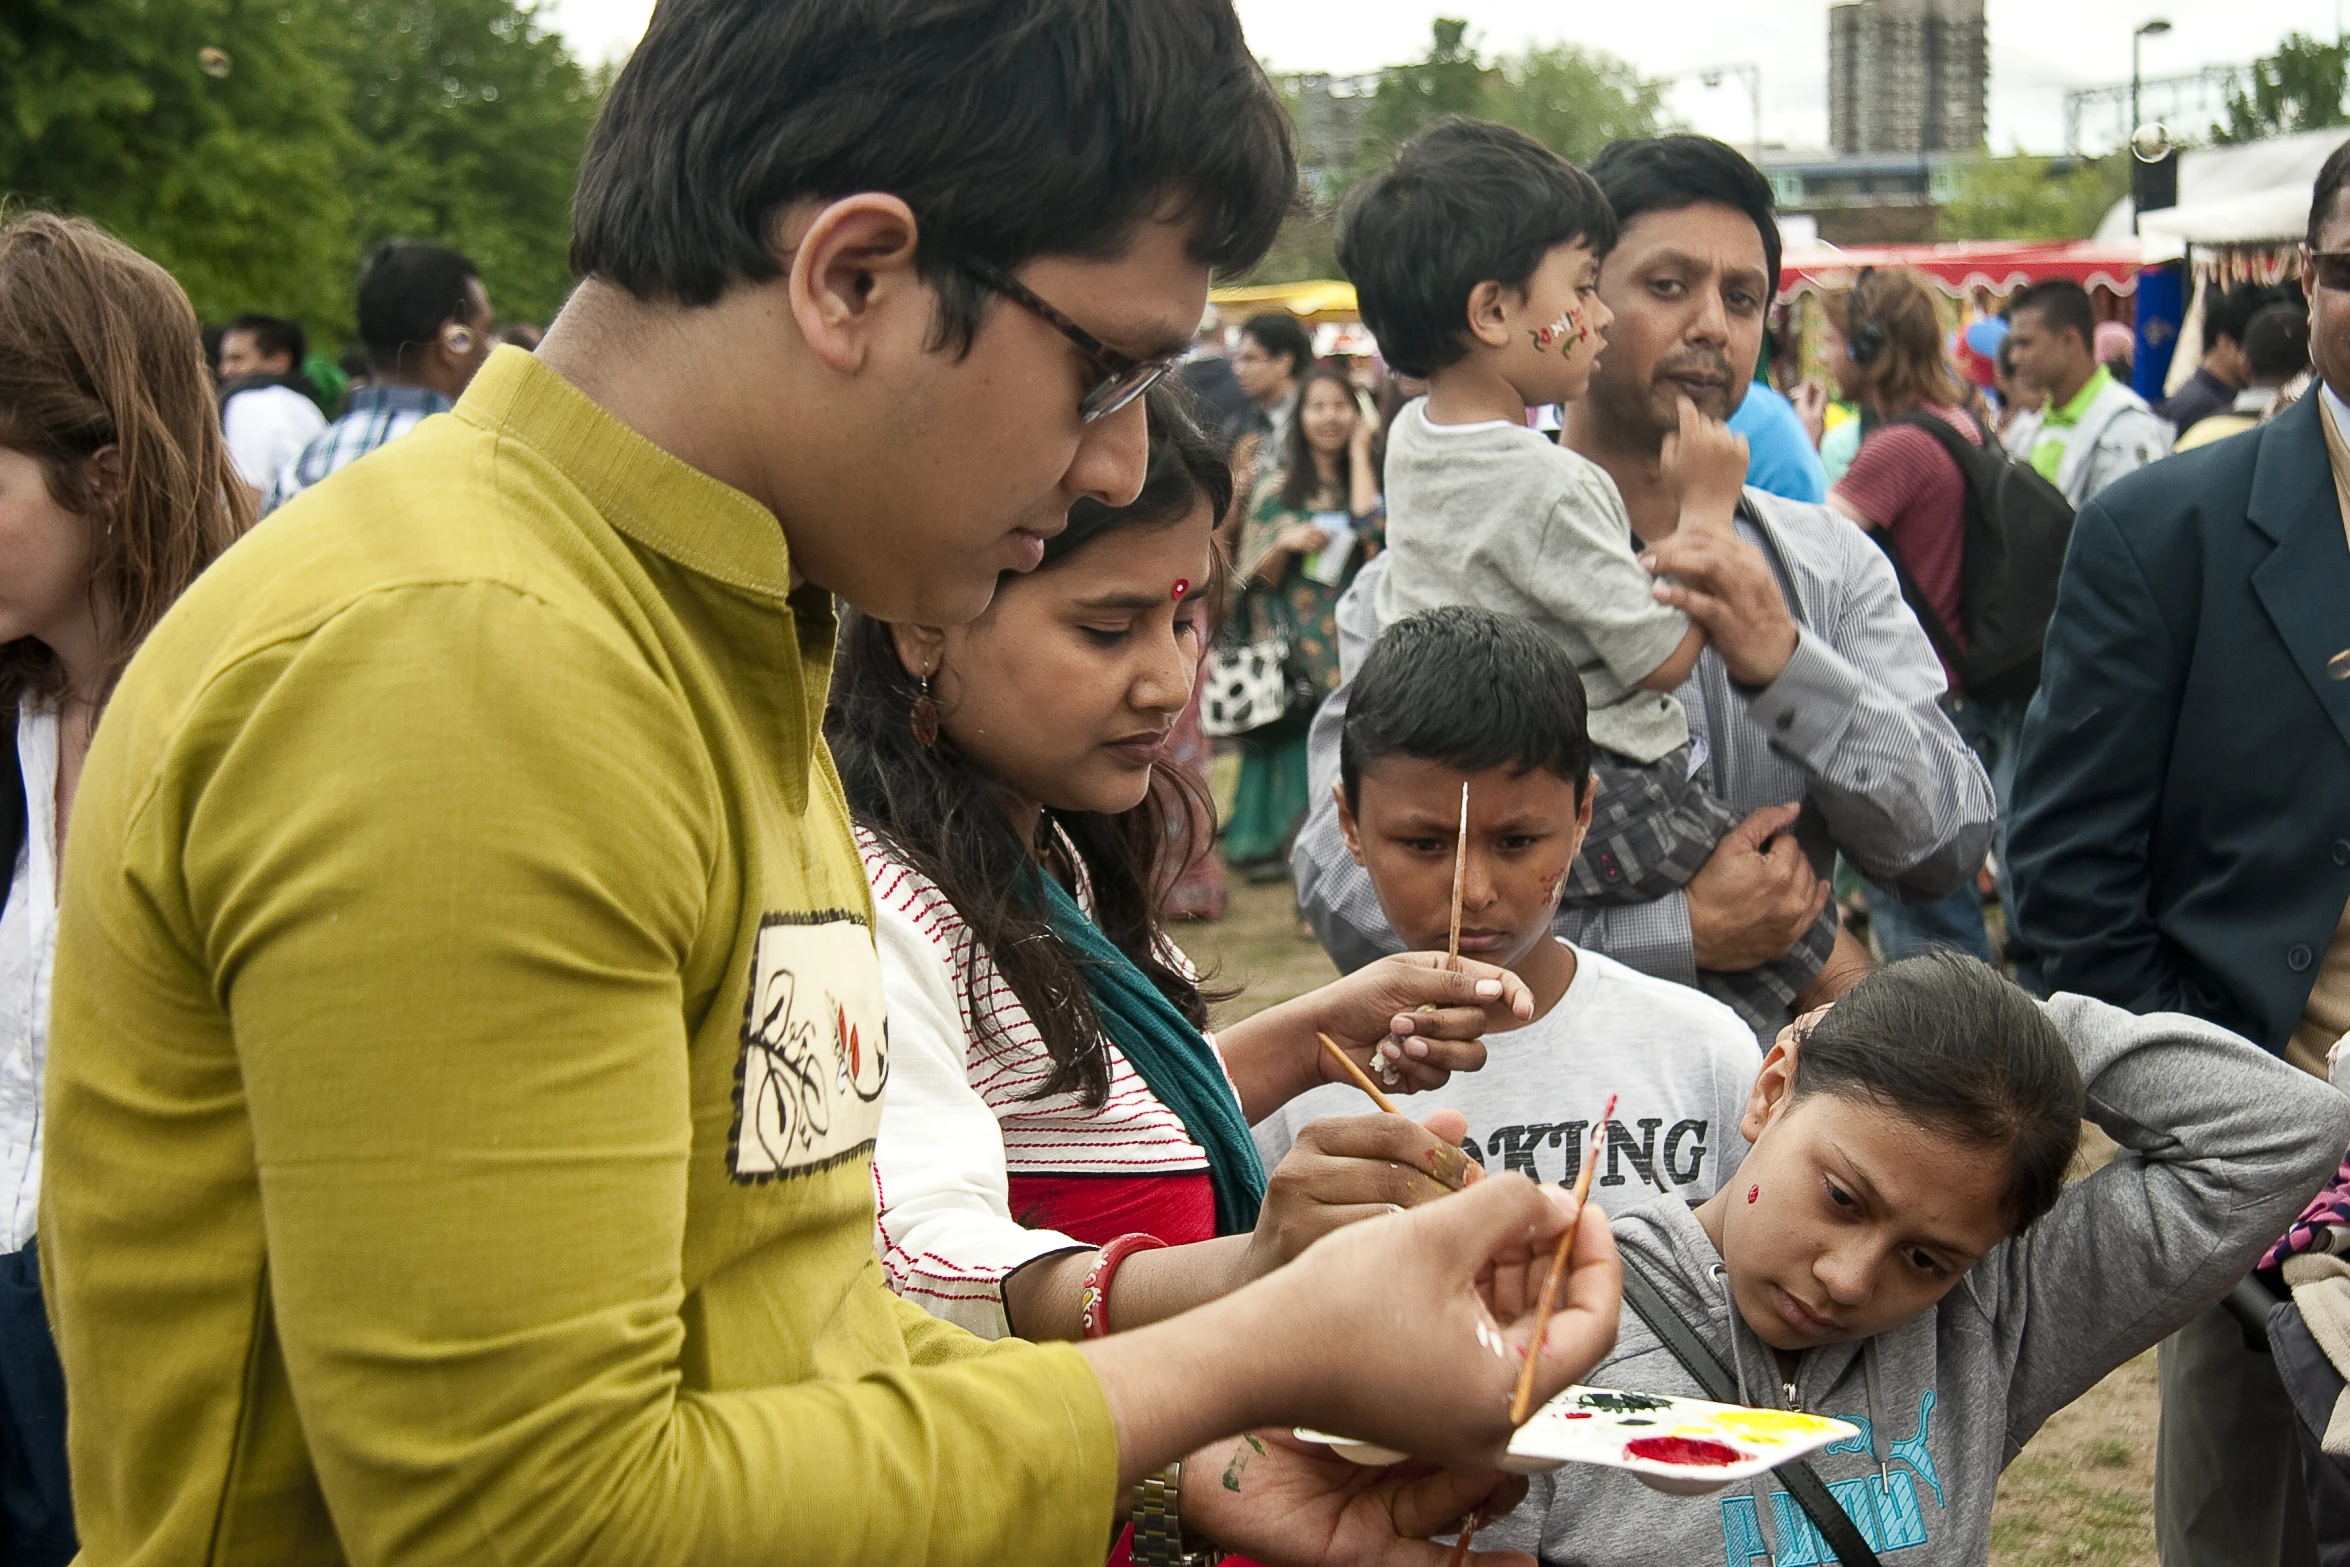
x=2256, y=193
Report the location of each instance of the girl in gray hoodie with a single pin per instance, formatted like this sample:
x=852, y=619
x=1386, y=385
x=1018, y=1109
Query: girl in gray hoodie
x=1900, y=1250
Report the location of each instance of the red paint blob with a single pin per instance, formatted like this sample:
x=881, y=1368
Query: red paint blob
x=1576, y=1414
x=1752, y=1192
x=1693, y=1451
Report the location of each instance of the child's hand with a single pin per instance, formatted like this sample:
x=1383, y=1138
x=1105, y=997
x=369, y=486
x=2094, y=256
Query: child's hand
x=1707, y=464
x=1811, y=406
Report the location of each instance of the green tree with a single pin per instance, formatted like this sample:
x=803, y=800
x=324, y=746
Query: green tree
x=207, y=133
x=1448, y=80
x=471, y=120
x=2299, y=88
x=2023, y=197
x=1573, y=101
x=255, y=147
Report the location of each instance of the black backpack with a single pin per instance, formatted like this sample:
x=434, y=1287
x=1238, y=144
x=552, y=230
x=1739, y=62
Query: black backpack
x=2017, y=527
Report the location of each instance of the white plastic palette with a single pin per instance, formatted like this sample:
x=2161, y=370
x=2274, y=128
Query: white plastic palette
x=1686, y=1446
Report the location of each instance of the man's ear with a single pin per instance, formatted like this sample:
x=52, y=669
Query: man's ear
x=920, y=649
x=1774, y=1086
x=852, y=262
x=1488, y=321
x=1346, y=823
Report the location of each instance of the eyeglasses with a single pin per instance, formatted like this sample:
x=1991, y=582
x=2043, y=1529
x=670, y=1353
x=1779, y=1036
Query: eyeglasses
x=2332, y=268
x=1123, y=379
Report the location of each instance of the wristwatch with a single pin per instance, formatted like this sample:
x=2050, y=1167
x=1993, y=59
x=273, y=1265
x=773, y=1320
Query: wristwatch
x=1158, y=1524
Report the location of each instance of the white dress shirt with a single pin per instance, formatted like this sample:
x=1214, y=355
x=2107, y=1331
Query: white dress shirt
x=28, y=946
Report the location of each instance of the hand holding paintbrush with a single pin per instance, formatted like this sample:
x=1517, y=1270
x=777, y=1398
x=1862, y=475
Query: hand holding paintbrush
x=1544, y=1304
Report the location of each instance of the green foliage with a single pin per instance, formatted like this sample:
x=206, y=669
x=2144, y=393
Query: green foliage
x=1573, y=101
x=320, y=127
x=2025, y=197
x=472, y=121
x=235, y=182
x=2299, y=88
x=1449, y=80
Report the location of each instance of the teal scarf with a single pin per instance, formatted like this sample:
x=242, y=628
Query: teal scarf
x=1173, y=1057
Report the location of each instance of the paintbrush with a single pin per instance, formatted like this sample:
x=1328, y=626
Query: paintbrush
x=1447, y=1164
x=1460, y=879
x=1548, y=1298
x=1460, y=1545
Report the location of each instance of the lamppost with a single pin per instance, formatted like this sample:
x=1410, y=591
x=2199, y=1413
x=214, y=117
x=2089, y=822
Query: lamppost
x=1751, y=75
x=2153, y=29
x=2139, y=193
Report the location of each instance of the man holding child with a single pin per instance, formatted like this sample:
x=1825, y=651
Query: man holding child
x=1805, y=689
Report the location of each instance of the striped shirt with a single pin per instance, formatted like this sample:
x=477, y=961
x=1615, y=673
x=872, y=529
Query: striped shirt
x=1852, y=727
x=959, y=1122
x=376, y=414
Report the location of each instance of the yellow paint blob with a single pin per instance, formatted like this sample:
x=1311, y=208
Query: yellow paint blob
x=1770, y=1425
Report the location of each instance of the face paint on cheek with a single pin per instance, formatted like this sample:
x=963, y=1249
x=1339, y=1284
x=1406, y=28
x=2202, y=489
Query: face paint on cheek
x=1752, y=1192
x=1566, y=334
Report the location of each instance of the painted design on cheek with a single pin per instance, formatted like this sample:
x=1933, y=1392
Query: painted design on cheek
x=1566, y=334
x=1752, y=1192
x=1182, y=586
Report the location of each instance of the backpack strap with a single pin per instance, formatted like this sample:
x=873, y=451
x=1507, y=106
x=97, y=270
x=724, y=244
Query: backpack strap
x=1961, y=452
x=1802, y=1481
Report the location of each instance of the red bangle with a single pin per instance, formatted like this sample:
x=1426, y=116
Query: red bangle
x=1093, y=1301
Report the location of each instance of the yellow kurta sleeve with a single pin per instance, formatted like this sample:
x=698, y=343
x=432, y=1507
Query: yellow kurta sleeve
x=446, y=870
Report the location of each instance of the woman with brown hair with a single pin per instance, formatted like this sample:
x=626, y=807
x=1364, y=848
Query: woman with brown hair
x=1906, y=488
x=115, y=491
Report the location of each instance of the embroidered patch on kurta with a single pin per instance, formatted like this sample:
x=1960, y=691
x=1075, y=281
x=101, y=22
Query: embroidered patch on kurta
x=815, y=1051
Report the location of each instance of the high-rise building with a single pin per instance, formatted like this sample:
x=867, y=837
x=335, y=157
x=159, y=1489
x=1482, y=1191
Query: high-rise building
x=1907, y=76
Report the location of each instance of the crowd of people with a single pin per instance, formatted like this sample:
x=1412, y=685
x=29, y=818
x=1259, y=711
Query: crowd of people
x=592, y=969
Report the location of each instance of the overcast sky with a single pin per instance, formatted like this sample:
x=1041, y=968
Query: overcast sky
x=2038, y=48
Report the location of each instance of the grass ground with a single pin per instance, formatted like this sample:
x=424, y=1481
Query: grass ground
x=2080, y=1493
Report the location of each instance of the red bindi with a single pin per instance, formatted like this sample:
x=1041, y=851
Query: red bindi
x=1752, y=1192
x=1182, y=586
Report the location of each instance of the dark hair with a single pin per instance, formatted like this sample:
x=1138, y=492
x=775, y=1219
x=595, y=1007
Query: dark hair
x=2276, y=343
x=1414, y=698
x=2331, y=177
x=1943, y=1041
x=407, y=291
x=272, y=335
x=1277, y=332
x=1012, y=128
x=2230, y=311
x=1666, y=173
x=2064, y=305
x=1464, y=203
x=1301, y=478
x=937, y=812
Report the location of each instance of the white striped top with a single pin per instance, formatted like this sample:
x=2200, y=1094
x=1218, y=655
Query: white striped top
x=957, y=1122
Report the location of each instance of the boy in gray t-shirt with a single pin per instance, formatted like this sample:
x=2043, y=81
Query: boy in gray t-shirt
x=1681, y=1063
x=1476, y=264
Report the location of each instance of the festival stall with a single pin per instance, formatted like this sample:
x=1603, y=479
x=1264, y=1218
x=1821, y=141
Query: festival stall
x=2241, y=216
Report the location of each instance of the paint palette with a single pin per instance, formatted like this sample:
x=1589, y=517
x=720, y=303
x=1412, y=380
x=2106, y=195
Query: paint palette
x=1685, y=1446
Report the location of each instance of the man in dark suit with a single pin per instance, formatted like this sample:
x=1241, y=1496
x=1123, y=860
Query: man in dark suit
x=2181, y=838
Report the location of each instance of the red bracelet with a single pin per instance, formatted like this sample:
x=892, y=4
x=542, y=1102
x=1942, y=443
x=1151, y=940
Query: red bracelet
x=1093, y=1301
